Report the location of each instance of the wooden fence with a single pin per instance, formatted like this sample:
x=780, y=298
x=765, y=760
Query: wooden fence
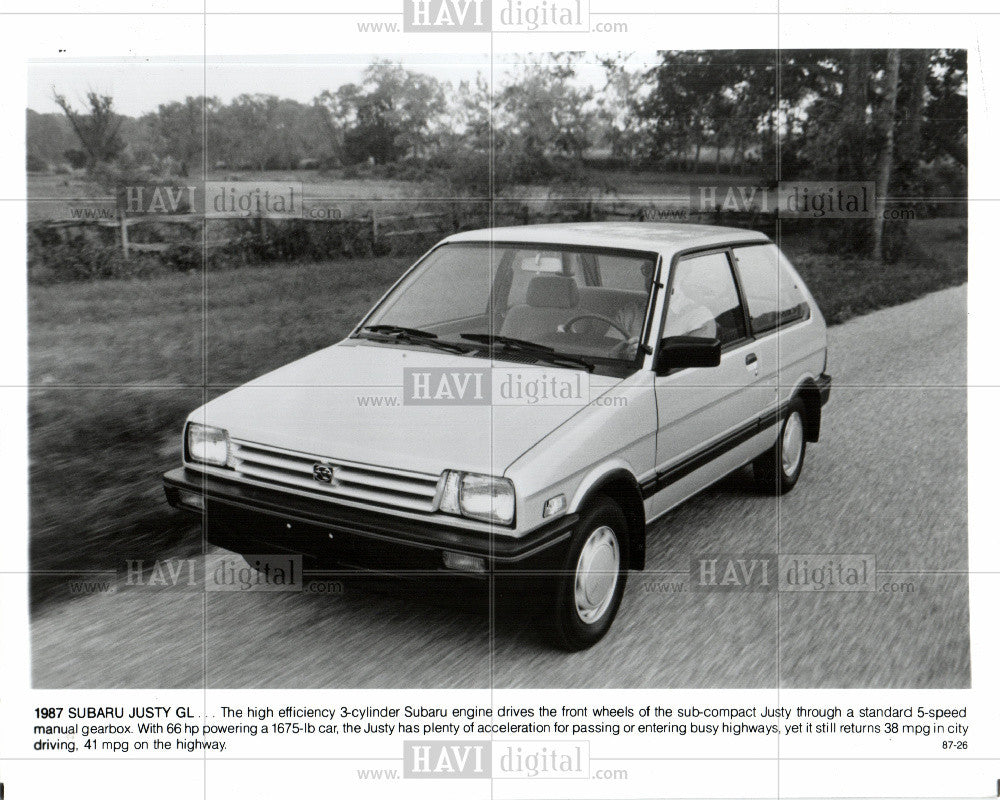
x=374, y=229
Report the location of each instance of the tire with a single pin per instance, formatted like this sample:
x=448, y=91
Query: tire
x=777, y=471
x=583, y=610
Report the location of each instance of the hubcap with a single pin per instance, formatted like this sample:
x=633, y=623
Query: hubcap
x=596, y=574
x=791, y=444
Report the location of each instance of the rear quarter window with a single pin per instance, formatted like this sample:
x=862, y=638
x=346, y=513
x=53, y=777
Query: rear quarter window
x=773, y=295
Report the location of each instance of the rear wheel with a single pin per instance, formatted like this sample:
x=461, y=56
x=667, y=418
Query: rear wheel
x=590, y=586
x=777, y=471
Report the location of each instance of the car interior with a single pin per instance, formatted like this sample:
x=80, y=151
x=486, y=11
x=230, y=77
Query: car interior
x=564, y=306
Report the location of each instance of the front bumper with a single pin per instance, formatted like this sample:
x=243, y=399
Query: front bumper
x=251, y=520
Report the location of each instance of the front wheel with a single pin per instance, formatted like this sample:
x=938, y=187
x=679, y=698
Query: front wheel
x=590, y=586
x=777, y=471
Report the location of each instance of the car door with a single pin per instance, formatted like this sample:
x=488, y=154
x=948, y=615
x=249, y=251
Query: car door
x=707, y=417
x=776, y=304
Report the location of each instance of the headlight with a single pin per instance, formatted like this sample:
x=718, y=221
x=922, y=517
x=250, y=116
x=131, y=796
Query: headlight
x=478, y=497
x=207, y=444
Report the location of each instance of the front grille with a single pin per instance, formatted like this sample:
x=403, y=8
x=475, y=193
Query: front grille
x=367, y=484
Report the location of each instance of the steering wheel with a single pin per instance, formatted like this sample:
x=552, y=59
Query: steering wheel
x=610, y=322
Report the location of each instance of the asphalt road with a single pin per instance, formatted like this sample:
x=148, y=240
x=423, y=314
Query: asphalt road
x=888, y=478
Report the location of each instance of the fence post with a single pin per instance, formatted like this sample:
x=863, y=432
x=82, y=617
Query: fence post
x=123, y=226
x=374, y=230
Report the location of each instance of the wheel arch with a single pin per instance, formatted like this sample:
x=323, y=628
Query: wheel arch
x=621, y=486
x=808, y=392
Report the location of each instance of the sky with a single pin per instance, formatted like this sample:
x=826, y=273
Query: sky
x=139, y=86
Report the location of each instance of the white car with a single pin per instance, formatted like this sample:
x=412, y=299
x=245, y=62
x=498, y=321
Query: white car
x=524, y=400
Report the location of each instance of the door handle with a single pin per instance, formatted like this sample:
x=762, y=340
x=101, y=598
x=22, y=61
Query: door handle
x=751, y=362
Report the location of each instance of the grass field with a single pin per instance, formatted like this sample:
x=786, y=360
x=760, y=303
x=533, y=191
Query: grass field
x=116, y=366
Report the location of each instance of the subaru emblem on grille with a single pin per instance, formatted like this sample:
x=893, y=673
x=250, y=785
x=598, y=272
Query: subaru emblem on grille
x=323, y=473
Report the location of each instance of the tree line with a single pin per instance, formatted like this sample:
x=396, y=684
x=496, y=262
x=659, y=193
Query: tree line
x=896, y=117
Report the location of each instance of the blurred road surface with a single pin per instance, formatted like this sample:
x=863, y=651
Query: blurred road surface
x=887, y=478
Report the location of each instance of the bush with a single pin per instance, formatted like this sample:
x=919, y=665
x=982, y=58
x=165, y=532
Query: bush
x=113, y=176
x=466, y=171
x=940, y=178
x=80, y=260
x=298, y=240
x=182, y=256
x=53, y=260
x=413, y=170
x=77, y=158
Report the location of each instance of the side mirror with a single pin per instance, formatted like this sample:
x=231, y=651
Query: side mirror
x=680, y=352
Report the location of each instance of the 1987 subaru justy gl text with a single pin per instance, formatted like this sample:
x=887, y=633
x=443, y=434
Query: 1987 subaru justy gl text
x=701, y=351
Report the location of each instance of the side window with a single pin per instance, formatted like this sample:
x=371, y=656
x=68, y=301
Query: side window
x=773, y=298
x=703, y=300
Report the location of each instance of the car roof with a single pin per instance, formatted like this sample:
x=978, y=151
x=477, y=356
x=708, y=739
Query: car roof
x=662, y=237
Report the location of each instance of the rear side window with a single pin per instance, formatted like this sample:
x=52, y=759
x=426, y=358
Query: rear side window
x=772, y=294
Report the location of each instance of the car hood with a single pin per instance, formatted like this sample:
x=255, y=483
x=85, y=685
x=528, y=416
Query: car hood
x=347, y=403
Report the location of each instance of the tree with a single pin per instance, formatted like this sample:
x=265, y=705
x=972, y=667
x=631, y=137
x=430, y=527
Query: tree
x=542, y=120
x=673, y=107
x=375, y=133
x=623, y=129
x=392, y=113
x=824, y=114
x=946, y=126
x=702, y=98
x=180, y=129
x=49, y=136
x=885, y=156
x=907, y=178
x=264, y=132
x=97, y=129
x=77, y=158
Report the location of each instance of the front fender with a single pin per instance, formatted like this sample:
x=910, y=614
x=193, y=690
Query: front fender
x=616, y=480
x=616, y=467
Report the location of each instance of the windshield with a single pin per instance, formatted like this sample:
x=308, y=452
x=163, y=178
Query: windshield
x=585, y=302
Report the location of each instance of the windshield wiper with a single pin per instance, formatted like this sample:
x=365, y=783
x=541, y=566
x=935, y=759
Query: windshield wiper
x=508, y=341
x=397, y=333
x=399, y=330
x=540, y=351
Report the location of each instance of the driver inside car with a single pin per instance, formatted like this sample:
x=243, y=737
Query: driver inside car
x=686, y=317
